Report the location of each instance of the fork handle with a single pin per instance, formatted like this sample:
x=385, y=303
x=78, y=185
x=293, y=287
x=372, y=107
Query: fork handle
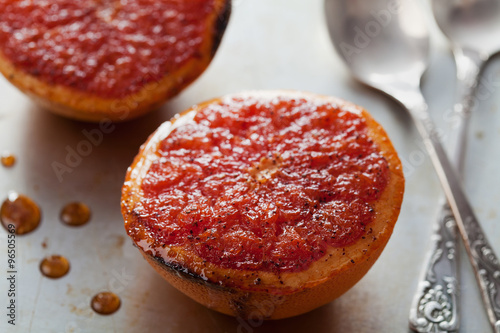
x=481, y=255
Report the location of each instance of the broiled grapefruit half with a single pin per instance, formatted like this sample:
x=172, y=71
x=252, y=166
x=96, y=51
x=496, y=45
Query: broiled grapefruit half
x=264, y=204
x=92, y=60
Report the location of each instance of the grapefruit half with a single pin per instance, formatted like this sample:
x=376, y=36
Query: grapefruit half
x=93, y=60
x=264, y=204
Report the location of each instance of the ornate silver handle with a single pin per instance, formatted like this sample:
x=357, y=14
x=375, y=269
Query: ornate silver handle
x=434, y=307
x=437, y=292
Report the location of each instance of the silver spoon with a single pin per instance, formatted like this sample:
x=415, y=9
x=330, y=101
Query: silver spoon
x=457, y=19
x=473, y=29
x=385, y=43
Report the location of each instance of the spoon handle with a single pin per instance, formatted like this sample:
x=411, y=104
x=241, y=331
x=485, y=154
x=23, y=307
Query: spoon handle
x=435, y=306
x=483, y=259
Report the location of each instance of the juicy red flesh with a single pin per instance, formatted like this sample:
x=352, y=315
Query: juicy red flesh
x=108, y=48
x=203, y=193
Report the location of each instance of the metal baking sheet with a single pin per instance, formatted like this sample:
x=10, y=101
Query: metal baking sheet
x=279, y=44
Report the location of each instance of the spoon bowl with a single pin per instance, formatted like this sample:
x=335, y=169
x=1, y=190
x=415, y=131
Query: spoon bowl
x=384, y=42
x=473, y=24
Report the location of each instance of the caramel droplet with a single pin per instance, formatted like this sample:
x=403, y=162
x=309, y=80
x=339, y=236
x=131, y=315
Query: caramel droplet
x=8, y=160
x=54, y=266
x=105, y=303
x=20, y=211
x=75, y=214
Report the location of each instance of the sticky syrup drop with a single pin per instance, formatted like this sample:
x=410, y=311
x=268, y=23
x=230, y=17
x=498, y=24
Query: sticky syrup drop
x=75, y=214
x=54, y=266
x=20, y=211
x=105, y=303
x=7, y=159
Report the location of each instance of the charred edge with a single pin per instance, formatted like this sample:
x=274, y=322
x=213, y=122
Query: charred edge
x=241, y=306
x=220, y=25
x=188, y=274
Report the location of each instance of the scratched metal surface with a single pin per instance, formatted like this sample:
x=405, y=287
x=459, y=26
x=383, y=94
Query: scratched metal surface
x=268, y=45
